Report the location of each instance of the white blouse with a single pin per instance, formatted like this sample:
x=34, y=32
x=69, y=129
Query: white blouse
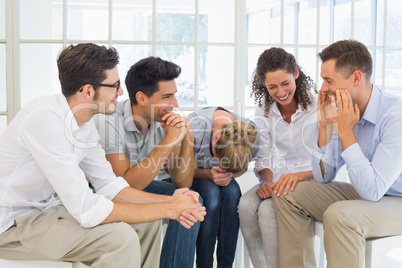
x=286, y=148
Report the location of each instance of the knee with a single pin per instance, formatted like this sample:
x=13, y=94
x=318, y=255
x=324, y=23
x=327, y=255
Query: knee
x=210, y=195
x=232, y=192
x=247, y=206
x=338, y=214
x=266, y=210
x=123, y=236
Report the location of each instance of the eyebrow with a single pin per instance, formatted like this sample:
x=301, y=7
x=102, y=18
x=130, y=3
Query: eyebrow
x=270, y=85
x=169, y=94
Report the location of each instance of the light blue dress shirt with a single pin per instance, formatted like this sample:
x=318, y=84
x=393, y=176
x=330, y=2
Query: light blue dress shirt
x=374, y=163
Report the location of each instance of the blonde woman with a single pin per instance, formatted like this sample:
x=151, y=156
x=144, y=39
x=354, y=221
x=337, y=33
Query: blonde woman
x=224, y=144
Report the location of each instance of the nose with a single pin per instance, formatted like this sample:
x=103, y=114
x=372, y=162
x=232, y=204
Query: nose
x=174, y=102
x=324, y=86
x=120, y=91
x=281, y=91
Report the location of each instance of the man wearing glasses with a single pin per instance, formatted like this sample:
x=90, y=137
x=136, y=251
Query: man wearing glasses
x=47, y=153
x=145, y=137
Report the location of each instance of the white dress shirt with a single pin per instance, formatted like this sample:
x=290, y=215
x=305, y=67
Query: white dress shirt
x=286, y=148
x=44, y=157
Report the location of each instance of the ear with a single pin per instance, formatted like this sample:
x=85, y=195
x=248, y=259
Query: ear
x=217, y=136
x=297, y=73
x=357, y=78
x=87, y=92
x=141, y=98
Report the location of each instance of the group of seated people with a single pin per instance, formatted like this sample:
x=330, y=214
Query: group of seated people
x=86, y=178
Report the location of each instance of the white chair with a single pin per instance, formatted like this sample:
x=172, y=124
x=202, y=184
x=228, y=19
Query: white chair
x=379, y=251
x=39, y=264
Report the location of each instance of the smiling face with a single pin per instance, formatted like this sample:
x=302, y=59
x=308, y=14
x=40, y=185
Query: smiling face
x=334, y=80
x=162, y=101
x=281, y=86
x=106, y=97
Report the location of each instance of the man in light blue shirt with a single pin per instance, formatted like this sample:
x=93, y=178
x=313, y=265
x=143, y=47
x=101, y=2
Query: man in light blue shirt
x=359, y=126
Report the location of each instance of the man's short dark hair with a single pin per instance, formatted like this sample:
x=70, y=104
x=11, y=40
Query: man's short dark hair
x=84, y=64
x=146, y=74
x=350, y=55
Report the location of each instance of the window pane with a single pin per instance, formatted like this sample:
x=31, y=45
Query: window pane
x=184, y=57
x=253, y=53
x=325, y=22
x=307, y=23
x=132, y=20
x=364, y=22
x=39, y=75
x=215, y=76
x=393, y=71
x=258, y=27
x=275, y=25
x=394, y=23
x=307, y=59
x=290, y=22
x=44, y=15
x=216, y=21
x=3, y=93
x=2, y=19
x=87, y=20
x=380, y=23
x=130, y=54
x=175, y=20
x=263, y=21
x=376, y=77
x=342, y=19
x=3, y=124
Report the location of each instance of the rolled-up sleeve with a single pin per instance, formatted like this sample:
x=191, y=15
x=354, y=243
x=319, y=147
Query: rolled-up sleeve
x=58, y=158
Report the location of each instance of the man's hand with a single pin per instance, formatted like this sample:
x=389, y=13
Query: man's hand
x=348, y=116
x=265, y=190
x=175, y=128
x=186, y=207
x=219, y=176
x=326, y=113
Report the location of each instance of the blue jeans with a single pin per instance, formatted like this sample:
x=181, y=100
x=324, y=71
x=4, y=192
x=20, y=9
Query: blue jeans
x=221, y=221
x=178, y=246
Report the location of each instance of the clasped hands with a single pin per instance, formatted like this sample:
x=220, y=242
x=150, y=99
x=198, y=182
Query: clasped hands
x=177, y=128
x=187, y=206
x=338, y=111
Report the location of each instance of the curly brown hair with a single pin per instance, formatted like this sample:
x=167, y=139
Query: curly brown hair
x=274, y=59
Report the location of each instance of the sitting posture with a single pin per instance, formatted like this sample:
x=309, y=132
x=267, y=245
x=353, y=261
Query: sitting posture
x=47, y=153
x=224, y=144
x=286, y=118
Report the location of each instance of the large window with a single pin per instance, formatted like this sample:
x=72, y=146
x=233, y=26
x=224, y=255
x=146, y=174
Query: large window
x=305, y=27
x=216, y=43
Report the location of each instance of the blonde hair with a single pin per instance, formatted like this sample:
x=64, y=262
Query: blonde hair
x=235, y=146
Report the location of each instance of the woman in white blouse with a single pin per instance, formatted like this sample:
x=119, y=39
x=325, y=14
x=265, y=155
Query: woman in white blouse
x=287, y=122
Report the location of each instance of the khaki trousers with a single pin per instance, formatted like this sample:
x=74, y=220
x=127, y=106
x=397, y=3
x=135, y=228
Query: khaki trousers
x=347, y=219
x=54, y=234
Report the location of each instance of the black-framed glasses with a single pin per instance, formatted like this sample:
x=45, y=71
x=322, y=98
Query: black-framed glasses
x=117, y=86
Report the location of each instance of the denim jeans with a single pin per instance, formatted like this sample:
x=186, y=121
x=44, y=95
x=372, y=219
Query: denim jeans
x=178, y=246
x=221, y=221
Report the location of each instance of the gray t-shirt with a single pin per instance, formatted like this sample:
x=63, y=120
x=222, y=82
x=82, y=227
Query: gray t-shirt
x=119, y=134
x=201, y=123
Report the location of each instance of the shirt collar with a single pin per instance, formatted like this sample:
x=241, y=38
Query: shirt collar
x=370, y=114
x=70, y=120
x=129, y=119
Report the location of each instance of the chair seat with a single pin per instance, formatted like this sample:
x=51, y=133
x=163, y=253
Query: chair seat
x=377, y=249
